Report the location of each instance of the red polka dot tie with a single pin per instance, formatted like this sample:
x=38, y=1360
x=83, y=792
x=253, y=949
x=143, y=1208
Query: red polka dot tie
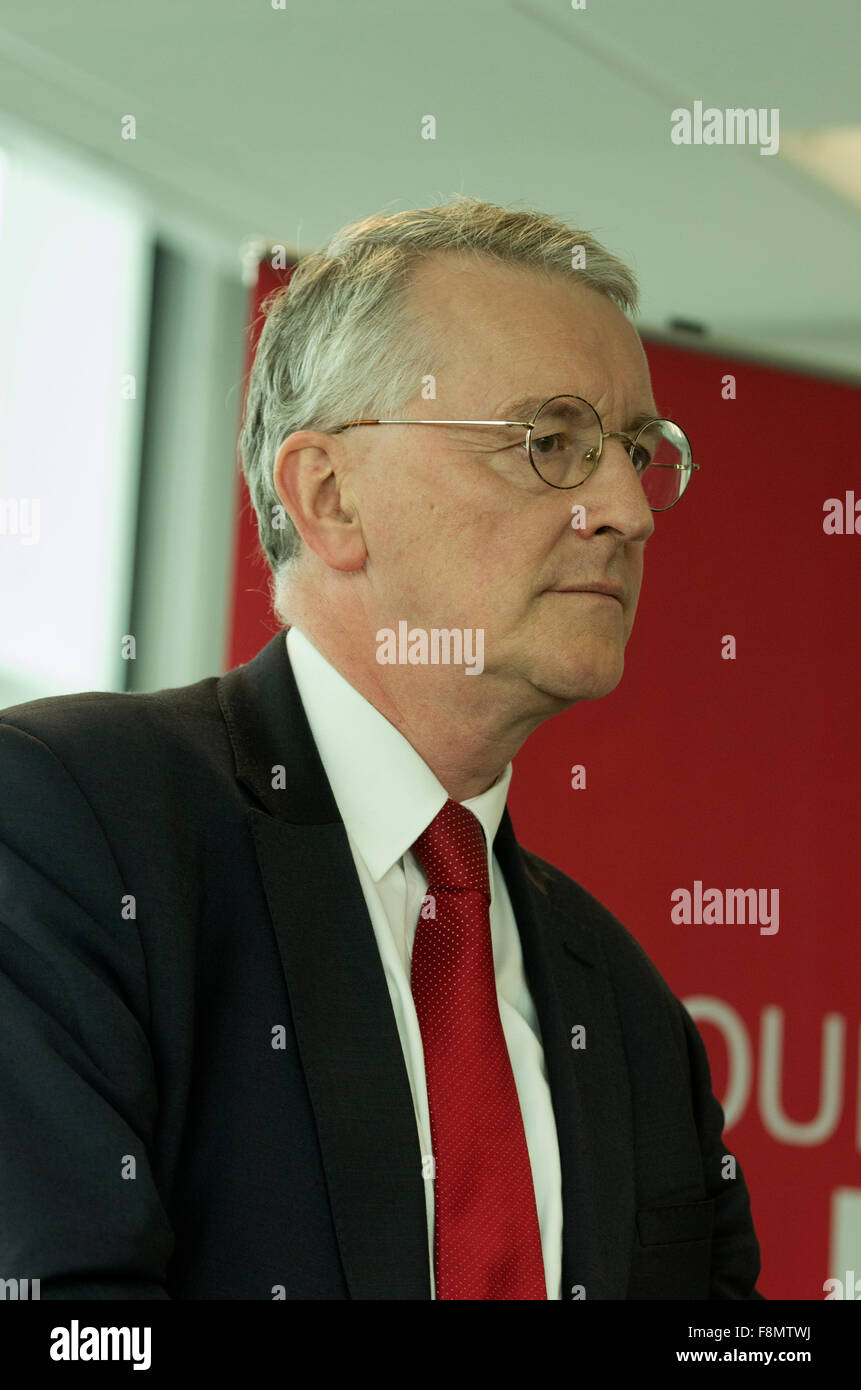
x=487, y=1242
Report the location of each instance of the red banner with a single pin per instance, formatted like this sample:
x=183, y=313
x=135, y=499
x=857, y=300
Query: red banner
x=252, y=622
x=724, y=761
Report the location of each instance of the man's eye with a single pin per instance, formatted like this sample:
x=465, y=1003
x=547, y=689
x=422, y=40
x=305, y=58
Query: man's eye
x=545, y=440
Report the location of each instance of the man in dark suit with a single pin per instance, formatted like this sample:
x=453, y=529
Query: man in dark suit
x=285, y=1009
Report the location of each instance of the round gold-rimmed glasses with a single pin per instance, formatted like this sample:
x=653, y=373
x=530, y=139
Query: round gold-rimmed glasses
x=565, y=440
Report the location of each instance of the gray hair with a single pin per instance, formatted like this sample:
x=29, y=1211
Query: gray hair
x=343, y=341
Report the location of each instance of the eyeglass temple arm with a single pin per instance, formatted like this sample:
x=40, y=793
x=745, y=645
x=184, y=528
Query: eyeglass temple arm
x=524, y=424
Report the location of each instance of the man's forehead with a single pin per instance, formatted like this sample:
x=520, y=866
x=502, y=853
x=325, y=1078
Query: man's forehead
x=542, y=335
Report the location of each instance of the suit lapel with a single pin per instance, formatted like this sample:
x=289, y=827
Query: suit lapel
x=570, y=986
x=345, y=1027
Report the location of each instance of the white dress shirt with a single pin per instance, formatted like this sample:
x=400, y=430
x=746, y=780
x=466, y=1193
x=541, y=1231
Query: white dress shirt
x=387, y=795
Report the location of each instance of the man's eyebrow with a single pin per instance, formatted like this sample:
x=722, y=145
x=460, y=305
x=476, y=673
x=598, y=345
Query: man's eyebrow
x=522, y=409
x=643, y=417
x=525, y=407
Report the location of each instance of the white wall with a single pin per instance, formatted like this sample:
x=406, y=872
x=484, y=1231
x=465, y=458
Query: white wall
x=74, y=290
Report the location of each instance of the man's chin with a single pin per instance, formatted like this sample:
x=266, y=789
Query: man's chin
x=567, y=683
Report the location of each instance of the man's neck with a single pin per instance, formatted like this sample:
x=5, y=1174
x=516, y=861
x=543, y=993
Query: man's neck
x=457, y=732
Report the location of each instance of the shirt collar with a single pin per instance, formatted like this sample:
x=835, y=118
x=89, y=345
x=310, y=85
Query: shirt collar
x=385, y=792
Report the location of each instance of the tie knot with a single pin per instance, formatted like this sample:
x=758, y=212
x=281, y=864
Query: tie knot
x=452, y=851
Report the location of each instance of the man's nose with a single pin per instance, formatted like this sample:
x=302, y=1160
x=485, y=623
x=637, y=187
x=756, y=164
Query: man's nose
x=616, y=494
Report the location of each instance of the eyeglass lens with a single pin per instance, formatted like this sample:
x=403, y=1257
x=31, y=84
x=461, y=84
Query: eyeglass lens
x=566, y=441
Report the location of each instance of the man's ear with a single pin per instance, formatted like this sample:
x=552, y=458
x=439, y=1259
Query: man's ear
x=308, y=478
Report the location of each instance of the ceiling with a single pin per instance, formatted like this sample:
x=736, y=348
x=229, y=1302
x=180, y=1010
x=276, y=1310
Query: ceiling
x=289, y=122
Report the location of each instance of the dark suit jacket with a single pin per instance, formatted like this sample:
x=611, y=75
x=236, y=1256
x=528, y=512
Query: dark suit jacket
x=146, y=1032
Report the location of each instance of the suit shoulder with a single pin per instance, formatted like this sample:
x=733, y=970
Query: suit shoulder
x=100, y=718
x=131, y=756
